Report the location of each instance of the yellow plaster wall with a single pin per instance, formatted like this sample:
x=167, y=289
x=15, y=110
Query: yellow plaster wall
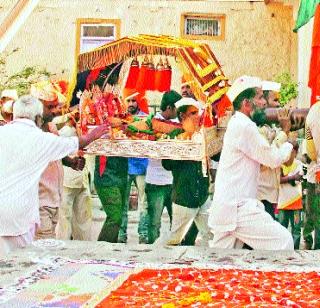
x=258, y=40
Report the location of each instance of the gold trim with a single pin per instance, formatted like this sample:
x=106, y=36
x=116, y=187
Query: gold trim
x=217, y=95
x=213, y=82
x=207, y=70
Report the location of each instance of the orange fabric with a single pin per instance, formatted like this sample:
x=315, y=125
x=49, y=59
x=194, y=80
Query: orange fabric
x=150, y=78
x=141, y=82
x=142, y=102
x=296, y=205
x=195, y=287
x=163, y=80
x=314, y=72
x=222, y=106
x=132, y=77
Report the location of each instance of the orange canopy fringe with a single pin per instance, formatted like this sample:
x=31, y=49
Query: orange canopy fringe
x=196, y=60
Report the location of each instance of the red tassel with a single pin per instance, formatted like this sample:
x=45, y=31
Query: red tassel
x=166, y=80
x=150, y=77
x=158, y=75
x=141, y=82
x=133, y=74
x=163, y=76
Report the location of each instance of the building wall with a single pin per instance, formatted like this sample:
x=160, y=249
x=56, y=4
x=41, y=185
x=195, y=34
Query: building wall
x=258, y=39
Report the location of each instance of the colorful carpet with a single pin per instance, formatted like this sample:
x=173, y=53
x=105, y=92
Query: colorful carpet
x=69, y=283
x=108, y=284
x=191, y=287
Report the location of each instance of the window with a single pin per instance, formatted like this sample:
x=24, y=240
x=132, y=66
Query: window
x=93, y=33
x=203, y=26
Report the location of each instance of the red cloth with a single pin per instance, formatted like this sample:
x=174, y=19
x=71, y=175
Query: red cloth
x=141, y=82
x=132, y=77
x=150, y=78
x=195, y=287
x=222, y=106
x=163, y=80
x=314, y=72
x=103, y=165
x=93, y=76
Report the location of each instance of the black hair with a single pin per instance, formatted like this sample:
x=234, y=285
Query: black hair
x=246, y=94
x=182, y=109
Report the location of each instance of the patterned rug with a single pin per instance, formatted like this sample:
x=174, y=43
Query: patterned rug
x=110, y=284
x=66, y=283
x=192, y=287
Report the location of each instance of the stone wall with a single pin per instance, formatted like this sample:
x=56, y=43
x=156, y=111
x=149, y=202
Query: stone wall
x=258, y=39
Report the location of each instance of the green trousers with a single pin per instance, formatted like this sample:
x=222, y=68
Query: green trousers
x=294, y=218
x=158, y=197
x=113, y=200
x=139, y=181
x=312, y=217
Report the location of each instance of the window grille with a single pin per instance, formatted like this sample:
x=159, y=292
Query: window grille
x=96, y=35
x=203, y=26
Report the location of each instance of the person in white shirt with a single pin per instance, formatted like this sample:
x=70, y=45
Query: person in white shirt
x=24, y=154
x=269, y=179
x=51, y=181
x=75, y=212
x=159, y=180
x=236, y=216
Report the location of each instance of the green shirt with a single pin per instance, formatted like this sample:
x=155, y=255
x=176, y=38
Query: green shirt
x=190, y=187
x=115, y=173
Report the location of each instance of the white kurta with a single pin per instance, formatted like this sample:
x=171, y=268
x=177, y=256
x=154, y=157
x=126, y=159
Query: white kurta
x=24, y=154
x=244, y=150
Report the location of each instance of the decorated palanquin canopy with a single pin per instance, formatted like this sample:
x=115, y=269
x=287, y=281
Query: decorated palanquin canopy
x=156, y=64
x=198, y=64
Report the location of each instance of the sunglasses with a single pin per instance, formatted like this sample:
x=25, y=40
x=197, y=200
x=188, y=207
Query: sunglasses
x=131, y=100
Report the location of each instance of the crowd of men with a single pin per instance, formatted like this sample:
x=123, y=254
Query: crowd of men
x=45, y=180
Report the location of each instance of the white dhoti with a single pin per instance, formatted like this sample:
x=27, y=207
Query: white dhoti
x=255, y=227
x=10, y=243
x=182, y=219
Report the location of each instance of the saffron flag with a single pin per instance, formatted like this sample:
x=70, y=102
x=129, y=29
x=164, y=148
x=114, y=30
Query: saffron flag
x=306, y=12
x=314, y=71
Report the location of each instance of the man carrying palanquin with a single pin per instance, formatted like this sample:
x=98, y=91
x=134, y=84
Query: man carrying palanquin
x=158, y=179
x=269, y=178
x=190, y=190
x=236, y=216
x=136, y=173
